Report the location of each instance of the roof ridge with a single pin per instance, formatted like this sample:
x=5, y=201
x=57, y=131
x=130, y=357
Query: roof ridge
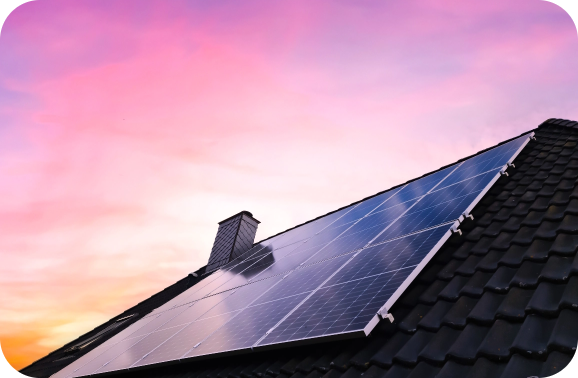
x=560, y=122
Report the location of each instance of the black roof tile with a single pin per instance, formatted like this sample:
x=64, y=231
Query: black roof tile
x=437, y=349
x=411, y=320
x=489, y=262
x=546, y=299
x=448, y=271
x=484, y=368
x=409, y=353
x=463, y=251
x=306, y=365
x=245, y=370
x=570, y=296
x=538, y=250
x=521, y=210
x=514, y=304
x=456, y=316
x=540, y=204
x=503, y=240
x=525, y=235
x=362, y=359
x=384, y=356
x=275, y=369
x=557, y=268
x=424, y=370
x=521, y=367
x=432, y=321
x=484, y=312
x=398, y=371
x=323, y=363
x=430, y=295
x=352, y=372
x=451, y=291
x=565, y=244
x=565, y=333
x=500, y=337
x=527, y=274
x=482, y=246
x=500, y=281
x=343, y=360
x=453, y=369
x=555, y=363
x=465, y=348
x=475, y=285
x=532, y=340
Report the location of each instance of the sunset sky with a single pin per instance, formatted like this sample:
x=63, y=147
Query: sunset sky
x=130, y=128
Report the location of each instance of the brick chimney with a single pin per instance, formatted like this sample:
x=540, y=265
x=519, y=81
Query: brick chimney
x=235, y=236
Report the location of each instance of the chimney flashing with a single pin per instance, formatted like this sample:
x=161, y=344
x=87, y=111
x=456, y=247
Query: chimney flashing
x=244, y=212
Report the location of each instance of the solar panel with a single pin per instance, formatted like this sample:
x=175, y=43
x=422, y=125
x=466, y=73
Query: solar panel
x=336, y=276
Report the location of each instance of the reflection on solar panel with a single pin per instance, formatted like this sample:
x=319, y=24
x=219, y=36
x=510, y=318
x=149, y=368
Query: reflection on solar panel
x=335, y=276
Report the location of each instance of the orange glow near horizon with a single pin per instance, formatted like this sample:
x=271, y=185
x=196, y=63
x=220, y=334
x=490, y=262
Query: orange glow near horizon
x=129, y=128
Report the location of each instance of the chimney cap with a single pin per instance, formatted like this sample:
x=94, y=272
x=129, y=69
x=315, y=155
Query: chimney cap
x=244, y=212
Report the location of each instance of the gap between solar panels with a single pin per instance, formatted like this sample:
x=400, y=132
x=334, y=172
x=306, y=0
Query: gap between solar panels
x=335, y=277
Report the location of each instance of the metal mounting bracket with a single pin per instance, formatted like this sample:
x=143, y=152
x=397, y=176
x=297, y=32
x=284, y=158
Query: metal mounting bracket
x=455, y=230
x=383, y=314
x=465, y=216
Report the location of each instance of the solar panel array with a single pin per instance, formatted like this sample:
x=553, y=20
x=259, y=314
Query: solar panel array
x=334, y=276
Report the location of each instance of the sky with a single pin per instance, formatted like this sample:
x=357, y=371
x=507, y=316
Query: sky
x=130, y=128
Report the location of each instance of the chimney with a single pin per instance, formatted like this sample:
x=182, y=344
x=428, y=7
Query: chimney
x=234, y=237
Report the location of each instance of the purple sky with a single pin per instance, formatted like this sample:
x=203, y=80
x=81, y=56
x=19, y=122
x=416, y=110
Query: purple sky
x=129, y=128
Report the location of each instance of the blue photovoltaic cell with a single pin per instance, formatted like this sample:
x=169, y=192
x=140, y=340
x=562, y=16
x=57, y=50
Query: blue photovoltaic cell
x=94, y=363
x=490, y=160
x=390, y=256
x=134, y=354
x=246, y=328
x=327, y=277
x=303, y=280
x=242, y=297
x=186, y=339
x=439, y=206
x=195, y=310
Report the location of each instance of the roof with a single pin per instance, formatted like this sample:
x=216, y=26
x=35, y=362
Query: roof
x=58, y=359
x=499, y=301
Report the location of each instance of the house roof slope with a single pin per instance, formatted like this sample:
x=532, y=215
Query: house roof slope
x=58, y=359
x=499, y=301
